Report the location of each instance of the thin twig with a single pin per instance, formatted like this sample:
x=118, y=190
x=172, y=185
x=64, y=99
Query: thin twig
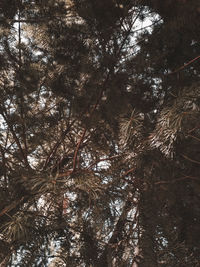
x=177, y=180
x=127, y=172
x=194, y=137
x=90, y=116
x=196, y=127
x=184, y=66
x=15, y=138
x=11, y=206
x=105, y=159
x=77, y=149
x=57, y=144
x=192, y=160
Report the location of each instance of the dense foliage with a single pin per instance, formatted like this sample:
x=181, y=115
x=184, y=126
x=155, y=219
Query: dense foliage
x=100, y=133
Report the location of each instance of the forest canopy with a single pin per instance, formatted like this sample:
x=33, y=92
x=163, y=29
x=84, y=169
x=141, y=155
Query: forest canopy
x=100, y=133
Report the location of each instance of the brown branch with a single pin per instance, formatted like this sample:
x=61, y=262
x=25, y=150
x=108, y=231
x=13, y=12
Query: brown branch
x=4, y=262
x=12, y=57
x=106, y=159
x=128, y=32
x=90, y=116
x=24, y=135
x=64, y=174
x=177, y=180
x=127, y=172
x=57, y=144
x=116, y=234
x=11, y=206
x=194, y=137
x=16, y=139
x=185, y=65
x=148, y=26
x=55, y=147
x=196, y=127
x=192, y=160
x=77, y=149
x=19, y=39
x=4, y=169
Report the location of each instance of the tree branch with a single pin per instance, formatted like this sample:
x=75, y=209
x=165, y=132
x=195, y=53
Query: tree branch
x=184, y=66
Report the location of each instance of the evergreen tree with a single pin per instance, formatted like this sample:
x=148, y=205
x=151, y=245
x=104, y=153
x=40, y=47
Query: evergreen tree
x=99, y=138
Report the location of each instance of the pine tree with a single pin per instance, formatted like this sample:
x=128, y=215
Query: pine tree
x=99, y=133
